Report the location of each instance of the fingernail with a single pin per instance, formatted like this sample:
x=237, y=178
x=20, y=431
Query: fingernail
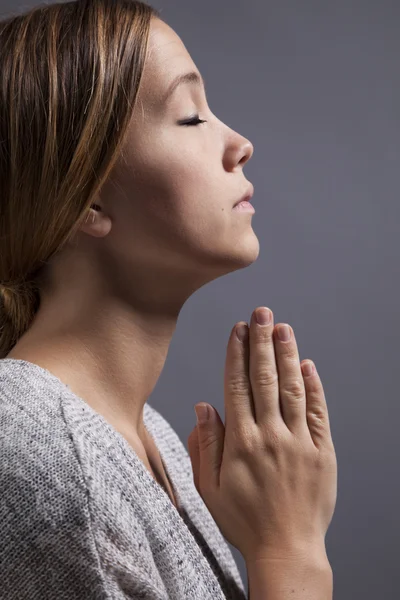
x=201, y=413
x=307, y=369
x=242, y=332
x=263, y=316
x=284, y=333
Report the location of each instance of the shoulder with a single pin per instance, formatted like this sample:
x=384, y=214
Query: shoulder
x=44, y=511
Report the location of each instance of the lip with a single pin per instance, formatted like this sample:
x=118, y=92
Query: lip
x=247, y=197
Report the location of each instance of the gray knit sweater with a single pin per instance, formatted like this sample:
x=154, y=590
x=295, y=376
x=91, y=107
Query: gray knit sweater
x=81, y=518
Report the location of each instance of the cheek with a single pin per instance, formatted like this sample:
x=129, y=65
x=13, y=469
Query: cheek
x=187, y=194
x=176, y=165
x=175, y=185
x=172, y=193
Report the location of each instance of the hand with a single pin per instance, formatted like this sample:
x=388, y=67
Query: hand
x=269, y=476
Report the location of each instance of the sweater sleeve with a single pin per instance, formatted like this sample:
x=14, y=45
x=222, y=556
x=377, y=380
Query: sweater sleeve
x=47, y=546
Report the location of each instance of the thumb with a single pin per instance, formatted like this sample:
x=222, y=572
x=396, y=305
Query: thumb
x=206, y=445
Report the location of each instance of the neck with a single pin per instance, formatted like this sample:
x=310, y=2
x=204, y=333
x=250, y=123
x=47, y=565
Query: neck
x=111, y=356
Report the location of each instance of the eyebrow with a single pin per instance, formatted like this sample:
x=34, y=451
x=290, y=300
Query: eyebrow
x=193, y=78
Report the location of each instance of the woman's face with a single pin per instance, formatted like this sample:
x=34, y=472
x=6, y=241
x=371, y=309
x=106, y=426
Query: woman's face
x=170, y=199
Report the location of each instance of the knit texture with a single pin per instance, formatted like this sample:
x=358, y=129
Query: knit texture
x=80, y=515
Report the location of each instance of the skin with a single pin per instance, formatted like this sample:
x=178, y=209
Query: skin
x=163, y=228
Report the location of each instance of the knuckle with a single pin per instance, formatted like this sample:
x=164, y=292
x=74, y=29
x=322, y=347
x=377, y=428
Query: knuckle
x=264, y=336
x=319, y=421
x=266, y=378
x=271, y=431
x=238, y=385
x=294, y=390
x=326, y=459
x=243, y=439
x=208, y=440
x=272, y=439
x=318, y=414
x=276, y=444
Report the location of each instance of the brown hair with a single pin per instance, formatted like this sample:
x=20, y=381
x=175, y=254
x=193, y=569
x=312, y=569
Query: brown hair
x=69, y=78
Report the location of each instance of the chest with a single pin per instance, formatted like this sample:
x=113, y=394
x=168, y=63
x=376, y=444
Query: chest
x=151, y=459
x=157, y=470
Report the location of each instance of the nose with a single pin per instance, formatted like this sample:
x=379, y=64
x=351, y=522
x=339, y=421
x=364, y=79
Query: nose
x=238, y=150
x=247, y=152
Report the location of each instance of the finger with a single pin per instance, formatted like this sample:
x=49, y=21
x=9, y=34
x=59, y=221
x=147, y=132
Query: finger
x=292, y=391
x=317, y=413
x=263, y=369
x=239, y=409
x=194, y=453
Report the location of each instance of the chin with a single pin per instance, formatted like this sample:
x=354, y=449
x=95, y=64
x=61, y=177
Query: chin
x=243, y=253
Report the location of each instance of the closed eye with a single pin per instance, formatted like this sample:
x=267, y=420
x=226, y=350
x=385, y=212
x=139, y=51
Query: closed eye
x=193, y=121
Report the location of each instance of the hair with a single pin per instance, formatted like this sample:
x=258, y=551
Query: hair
x=69, y=79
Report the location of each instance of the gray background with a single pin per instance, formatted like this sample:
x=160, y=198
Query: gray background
x=315, y=87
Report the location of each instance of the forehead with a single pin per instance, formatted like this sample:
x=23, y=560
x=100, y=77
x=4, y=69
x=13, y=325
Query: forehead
x=166, y=58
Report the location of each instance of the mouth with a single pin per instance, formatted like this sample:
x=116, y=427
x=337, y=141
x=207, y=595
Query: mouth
x=247, y=197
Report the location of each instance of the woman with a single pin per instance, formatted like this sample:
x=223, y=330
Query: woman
x=118, y=188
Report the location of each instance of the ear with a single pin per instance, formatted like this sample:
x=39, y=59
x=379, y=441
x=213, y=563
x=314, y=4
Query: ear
x=97, y=223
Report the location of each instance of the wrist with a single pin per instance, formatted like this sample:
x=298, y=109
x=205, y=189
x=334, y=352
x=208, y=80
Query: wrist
x=304, y=553
x=273, y=576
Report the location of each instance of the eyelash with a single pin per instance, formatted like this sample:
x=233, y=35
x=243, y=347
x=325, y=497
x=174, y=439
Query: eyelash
x=194, y=121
